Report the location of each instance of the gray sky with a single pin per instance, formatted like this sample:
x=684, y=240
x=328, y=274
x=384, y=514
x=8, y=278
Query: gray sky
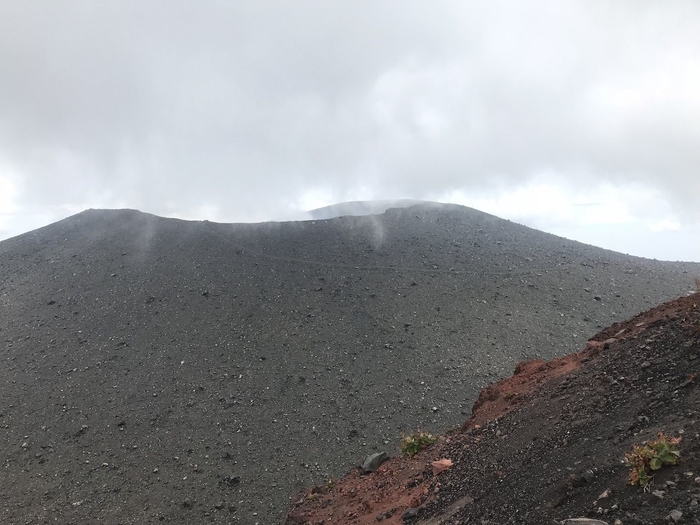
x=579, y=118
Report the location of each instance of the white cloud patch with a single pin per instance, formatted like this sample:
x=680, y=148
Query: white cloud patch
x=8, y=199
x=665, y=225
x=243, y=110
x=626, y=218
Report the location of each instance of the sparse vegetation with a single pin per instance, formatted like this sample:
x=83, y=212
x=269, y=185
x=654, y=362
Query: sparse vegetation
x=509, y=395
x=317, y=490
x=651, y=456
x=411, y=445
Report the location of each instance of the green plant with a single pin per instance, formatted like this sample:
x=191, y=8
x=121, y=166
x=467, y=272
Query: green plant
x=317, y=490
x=651, y=456
x=411, y=445
x=509, y=395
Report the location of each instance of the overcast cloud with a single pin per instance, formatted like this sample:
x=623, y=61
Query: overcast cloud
x=557, y=114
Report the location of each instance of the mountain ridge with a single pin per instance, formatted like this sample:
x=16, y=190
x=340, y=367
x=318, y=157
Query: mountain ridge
x=273, y=354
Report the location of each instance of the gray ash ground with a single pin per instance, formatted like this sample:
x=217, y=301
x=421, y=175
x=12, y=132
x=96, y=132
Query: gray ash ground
x=156, y=370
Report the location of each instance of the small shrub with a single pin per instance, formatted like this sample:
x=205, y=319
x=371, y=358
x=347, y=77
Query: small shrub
x=509, y=395
x=317, y=490
x=651, y=456
x=411, y=445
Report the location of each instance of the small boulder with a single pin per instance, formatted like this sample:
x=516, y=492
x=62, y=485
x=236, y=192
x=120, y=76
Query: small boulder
x=373, y=461
x=409, y=514
x=440, y=465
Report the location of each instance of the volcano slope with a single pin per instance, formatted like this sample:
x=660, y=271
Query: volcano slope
x=192, y=372
x=547, y=445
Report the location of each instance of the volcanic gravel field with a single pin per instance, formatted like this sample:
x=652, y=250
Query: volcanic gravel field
x=158, y=370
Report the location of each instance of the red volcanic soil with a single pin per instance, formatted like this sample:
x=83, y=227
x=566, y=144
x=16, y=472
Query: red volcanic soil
x=548, y=443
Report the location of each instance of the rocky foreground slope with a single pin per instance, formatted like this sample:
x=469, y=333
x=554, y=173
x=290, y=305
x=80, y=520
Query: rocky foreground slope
x=547, y=445
x=192, y=372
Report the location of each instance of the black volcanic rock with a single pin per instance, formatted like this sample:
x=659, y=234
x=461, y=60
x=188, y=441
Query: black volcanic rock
x=146, y=360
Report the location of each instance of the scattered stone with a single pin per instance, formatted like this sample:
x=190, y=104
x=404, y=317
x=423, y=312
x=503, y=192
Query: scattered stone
x=659, y=493
x=409, y=514
x=440, y=465
x=597, y=298
x=675, y=515
x=604, y=495
x=230, y=480
x=373, y=461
